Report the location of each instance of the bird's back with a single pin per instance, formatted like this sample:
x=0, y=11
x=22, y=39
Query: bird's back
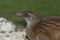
x=48, y=27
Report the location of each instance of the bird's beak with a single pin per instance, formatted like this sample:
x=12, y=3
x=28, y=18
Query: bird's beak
x=19, y=14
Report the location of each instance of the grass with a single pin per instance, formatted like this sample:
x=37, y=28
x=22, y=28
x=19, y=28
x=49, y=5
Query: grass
x=43, y=8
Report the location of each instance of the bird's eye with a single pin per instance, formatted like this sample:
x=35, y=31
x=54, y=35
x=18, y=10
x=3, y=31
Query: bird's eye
x=26, y=14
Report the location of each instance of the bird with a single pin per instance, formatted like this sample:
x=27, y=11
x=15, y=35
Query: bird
x=41, y=28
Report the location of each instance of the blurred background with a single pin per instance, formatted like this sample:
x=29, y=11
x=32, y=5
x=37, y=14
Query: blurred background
x=43, y=8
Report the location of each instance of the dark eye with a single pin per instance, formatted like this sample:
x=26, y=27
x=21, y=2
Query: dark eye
x=26, y=14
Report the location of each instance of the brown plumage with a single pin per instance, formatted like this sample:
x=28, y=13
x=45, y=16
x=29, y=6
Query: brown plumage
x=42, y=29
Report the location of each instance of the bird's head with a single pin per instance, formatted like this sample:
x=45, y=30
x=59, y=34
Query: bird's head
x=27, y=15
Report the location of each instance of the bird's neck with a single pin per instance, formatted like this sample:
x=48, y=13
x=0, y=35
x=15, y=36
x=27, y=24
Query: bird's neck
x=30, y=22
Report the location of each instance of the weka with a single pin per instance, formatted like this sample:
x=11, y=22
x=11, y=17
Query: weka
x=41, y=29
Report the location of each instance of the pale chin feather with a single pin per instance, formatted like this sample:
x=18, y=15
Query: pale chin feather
x=29, y=22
